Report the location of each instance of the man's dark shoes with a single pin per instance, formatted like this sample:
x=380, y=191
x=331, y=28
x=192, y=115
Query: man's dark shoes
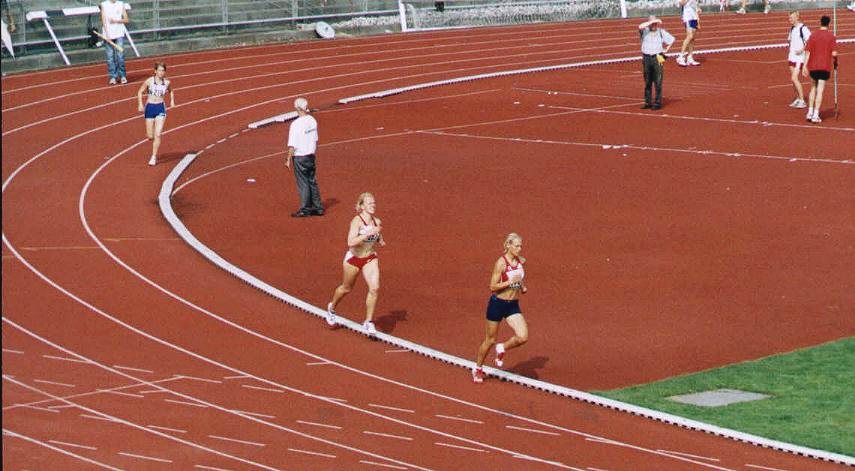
x=301, y=214
x=646, y=106
x=317, y=212
x=656, y=107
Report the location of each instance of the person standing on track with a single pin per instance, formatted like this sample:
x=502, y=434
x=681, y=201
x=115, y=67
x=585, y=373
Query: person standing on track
x=302, y=143
x=507, y=284
x=799, y=34
x=362, y=238
x=655, y=42
x=155, y=108
x=114, y=16
x=691, y=17
x=820, y=57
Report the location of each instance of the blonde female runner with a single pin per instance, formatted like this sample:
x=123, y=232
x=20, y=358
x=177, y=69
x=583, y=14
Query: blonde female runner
x=507, y=284
x=362, y=238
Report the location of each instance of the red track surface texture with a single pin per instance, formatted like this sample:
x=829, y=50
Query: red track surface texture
x=654, y=250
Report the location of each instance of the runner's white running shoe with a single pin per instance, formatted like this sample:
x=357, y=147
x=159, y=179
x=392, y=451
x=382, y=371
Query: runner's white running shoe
x=478, y=375
x=330, y=315
x=500, y=354
x=153, y=160
x=801, y=104
x=691, y=61
x=741, y=11
x=369, y=328
x=681, y=61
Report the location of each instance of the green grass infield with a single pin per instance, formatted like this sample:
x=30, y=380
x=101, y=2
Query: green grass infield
x=812, y=399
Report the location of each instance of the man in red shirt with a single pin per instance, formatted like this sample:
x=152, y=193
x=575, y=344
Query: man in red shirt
x=820, y=56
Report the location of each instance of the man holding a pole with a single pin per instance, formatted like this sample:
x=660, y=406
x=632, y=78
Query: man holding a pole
x=114, y=16
x=820, y=57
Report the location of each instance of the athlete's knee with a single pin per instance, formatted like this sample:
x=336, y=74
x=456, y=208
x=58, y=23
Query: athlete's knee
x=344, y=289
x=373, y=291
x=522, y=338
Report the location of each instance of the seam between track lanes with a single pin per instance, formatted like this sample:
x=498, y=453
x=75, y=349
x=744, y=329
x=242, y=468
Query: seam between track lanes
x=118, y=420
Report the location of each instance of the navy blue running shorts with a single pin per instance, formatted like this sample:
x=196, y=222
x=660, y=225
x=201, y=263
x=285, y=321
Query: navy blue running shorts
x=498, y=309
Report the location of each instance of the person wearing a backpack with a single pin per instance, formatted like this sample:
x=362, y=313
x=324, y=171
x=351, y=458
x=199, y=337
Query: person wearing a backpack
x=820, y=57
x=655, y=42
x=799, y=34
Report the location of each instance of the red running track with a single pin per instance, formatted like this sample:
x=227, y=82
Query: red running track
x=125, y=349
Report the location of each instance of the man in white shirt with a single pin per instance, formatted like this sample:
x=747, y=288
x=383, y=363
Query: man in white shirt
x=114, y=16
x=799, y=34
x=302, y=143
x=655, y=42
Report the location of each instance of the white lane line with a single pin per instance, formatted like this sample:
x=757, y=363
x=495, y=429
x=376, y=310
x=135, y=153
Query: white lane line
x=318, y=425
x=763, y=467
x=221, y=141
x=399, y=437
x=261, y=388
x=235, y=134
x=235, y=440
x=144, y=457
x=92, y=393
x=462, y=447
x=9, y=350
x=471, y=421
x=153, y=391
x=595, y=469
x=616, y=97
x=374, y=463
x=670, y=452
x=254, y=414
x=73, y=360
x=331, y=398
x=120, y=393
x=541, y=460
x=201, y=466
x=61, y=406
x=409, y=411
x=235, y=377
x=607, y=441
x=73, y=445
x=128, y=368
x=397, y=350
x=195, y=378
x=10, y=433
x=325, y=455
x=43, y=409
x=317, y=363
x=532, y=430
x=157, y=427
x=185, y=403
x=95, y=417
x=44, y=381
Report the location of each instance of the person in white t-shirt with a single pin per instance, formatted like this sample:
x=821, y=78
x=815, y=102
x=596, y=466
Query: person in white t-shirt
x=114, y=17
x=690, y=16
x=799, y=34
x=302, y=143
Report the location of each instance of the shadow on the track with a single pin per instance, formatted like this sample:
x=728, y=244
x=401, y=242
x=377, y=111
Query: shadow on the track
x=529, y=367
x=388, y=322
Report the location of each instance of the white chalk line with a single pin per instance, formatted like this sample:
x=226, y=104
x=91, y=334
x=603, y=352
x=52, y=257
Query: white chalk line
x=10, y=433
x=613, y=146
x=387, y=435
x=73, y=445
x=144, y=457
x=104, y=416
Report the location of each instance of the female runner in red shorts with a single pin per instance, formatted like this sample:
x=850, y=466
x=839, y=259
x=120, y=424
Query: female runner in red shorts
x=507, y=284
x=363, y=236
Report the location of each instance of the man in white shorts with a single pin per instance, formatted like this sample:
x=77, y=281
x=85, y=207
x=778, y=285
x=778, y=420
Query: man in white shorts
x=799, y=34
x=691, y=9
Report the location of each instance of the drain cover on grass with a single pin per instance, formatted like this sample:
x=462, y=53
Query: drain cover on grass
x=719, y=397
